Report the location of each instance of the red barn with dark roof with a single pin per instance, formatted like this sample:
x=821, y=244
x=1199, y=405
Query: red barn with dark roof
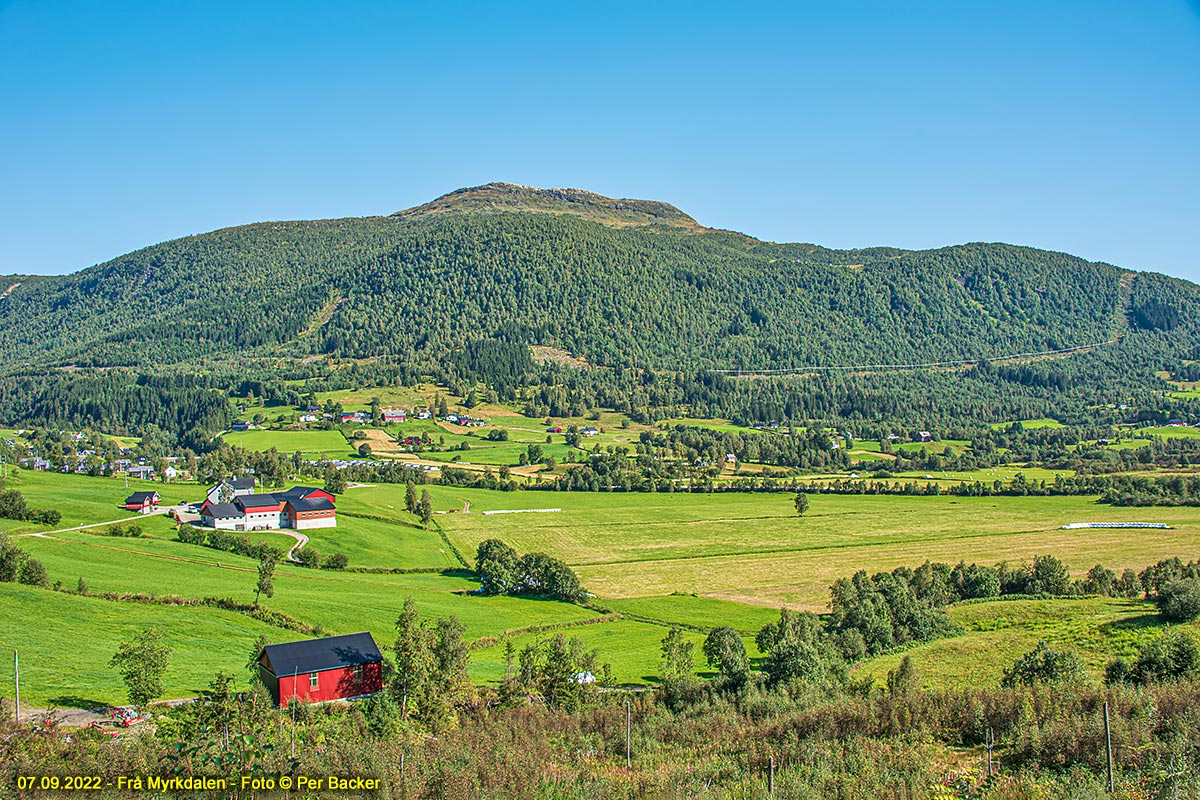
x=318, y=670
x=142, y=501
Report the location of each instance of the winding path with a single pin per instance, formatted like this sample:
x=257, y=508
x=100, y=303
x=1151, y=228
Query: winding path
x=301, y=541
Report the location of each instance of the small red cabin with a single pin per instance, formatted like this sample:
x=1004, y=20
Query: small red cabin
x=317, y=670
x=142, y=502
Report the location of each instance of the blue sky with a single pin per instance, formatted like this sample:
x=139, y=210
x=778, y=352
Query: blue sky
x=1068, y=125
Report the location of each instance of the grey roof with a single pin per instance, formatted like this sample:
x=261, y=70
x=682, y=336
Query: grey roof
x=297, y=491
x=239, y=483
x=140, y=497
x=257, y=501
x=311, y=504
x=222, y=511
x=315, y=655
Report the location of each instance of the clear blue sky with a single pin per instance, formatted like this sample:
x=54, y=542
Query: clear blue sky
x=1067, y=125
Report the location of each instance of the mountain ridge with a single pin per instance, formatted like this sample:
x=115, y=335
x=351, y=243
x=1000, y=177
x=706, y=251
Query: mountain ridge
x=616, y=282
x=502, y=196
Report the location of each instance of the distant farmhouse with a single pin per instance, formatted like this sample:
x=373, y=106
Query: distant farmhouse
x=227, y=489
x=232, y=505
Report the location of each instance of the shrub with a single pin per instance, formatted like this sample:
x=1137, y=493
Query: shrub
x=1043, y=665
x=1169, y=657
x=335, y=561
x=33, y=573
x=1179, y=600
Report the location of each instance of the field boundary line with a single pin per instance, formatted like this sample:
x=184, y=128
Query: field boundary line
x=812, y=549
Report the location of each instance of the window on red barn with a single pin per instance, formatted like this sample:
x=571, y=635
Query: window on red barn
x=357, y=672
x=312, y=680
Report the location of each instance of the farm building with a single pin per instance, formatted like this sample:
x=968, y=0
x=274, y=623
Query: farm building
x=233, y=487
x=318, y=670
x=142, y=502
x=394, y=415
x=301, y=508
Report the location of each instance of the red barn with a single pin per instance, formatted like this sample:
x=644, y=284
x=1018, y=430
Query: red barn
x=316, y=670
x=142, y=502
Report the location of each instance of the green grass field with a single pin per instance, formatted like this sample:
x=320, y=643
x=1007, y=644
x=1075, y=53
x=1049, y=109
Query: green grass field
x=699, y=560
x=751, y=548
x=996, y=633
x=1030, y=424
x=1171, y=432
x=311, y=443
x=703, y=612
x=65, y=642
x=85, y=500
x=631, y=648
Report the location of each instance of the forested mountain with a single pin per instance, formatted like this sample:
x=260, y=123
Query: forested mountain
x=615, y=282
x=645, y=305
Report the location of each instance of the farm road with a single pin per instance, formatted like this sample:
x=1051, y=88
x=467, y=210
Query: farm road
x=44, y=534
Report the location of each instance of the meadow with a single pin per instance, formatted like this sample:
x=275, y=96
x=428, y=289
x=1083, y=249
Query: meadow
x=752, y=548
x=327, y=444
x=653, y=560
x=65, y=642
x=996, y=633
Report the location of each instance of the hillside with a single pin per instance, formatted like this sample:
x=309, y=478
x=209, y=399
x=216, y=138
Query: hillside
x=615, y=282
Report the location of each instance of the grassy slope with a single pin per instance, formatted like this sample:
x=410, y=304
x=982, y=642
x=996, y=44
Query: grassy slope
x=638, y=548
x=83, y=500
x=997, y=633
x=66, y=642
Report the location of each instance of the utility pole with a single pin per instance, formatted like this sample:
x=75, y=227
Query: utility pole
x=17, y=684
x=628, y=749
x=991, y=742
x=771, y=778
x=1108, y=748
x=293, y=704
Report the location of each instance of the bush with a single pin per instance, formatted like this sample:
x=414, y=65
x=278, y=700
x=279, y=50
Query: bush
x=1043, y=665
x=308, y=557
x=1170, y=657
x=335, y=561
x=1179, y=600
x=33, y=573
x=190, y=535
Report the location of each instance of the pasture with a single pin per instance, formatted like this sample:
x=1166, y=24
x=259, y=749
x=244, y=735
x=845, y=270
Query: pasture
x=1029, y=424
x=66, y=641
x=1171, y=432
x=751, y=548
x=329, y=444
x=697, y=560
x=996, y=633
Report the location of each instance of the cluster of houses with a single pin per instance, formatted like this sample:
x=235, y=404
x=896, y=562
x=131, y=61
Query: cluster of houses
x=465, y=421
x=391, y=416
x=82, y=464
x=233, y=505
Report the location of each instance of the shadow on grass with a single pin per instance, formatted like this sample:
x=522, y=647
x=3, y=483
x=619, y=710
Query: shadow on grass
x=1139, y=623
x=75, y=701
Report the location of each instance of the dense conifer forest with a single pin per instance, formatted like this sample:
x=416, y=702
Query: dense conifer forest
x=652, y=313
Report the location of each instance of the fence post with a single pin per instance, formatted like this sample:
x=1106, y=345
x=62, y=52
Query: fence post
x=628, y=736
x=771, y=778
x=1108, y=749
x=991, y=742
